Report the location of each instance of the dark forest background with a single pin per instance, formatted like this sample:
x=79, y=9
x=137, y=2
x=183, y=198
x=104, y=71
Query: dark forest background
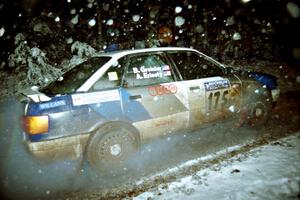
x=45, y=32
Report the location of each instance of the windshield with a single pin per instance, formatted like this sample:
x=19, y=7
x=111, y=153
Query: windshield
x=74, y=78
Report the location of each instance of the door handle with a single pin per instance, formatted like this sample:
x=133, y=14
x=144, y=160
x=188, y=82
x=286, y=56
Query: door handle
x=194, y=88
x=135, y=97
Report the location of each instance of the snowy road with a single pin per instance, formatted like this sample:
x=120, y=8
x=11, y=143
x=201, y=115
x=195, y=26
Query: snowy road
x=250, y=164
x=267, y=172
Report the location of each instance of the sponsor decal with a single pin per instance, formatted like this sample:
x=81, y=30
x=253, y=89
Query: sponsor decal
x=151, y=72
x=95, y=97
x=217, y=100
x=216, y=85
x=112, y=76
x=167, y=122
x=53, y=104
x=159, y=90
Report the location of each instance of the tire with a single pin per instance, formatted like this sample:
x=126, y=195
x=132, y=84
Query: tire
x=259, y=109
x=111, y=147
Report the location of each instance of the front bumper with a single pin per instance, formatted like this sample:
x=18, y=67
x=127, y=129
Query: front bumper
x=71, y=147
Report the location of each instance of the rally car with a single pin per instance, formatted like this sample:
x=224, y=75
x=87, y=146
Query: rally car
x=105, y=108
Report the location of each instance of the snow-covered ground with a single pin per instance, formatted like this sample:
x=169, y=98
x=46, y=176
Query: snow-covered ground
x=267, y=172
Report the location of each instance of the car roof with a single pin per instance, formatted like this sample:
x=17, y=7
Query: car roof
x=122, y=53
x=115, y=55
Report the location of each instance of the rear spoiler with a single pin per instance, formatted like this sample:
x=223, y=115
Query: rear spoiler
x=34, y=95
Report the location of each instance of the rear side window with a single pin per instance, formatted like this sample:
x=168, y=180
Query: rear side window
x=194, y=66
x=76, y=77
x=111, y=79
x=147, y=70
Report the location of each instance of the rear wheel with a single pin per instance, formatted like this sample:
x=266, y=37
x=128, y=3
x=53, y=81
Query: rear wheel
x=110, y=149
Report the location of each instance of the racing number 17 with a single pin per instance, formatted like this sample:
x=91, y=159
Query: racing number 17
x=214, y=97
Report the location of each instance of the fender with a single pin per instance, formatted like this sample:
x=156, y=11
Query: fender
x=268, y=80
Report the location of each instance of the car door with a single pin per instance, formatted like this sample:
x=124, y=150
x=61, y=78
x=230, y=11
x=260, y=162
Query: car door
x=151, y=98
x=207, y=86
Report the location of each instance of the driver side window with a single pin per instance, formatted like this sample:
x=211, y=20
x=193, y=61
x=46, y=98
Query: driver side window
x=193, y=66
x=148, y=70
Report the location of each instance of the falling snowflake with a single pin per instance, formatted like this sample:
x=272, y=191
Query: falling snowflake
x=57, y=19
x=293, y=9
x=135, y=18
x=179, y=21
x=236, y=36
x=73, y=11
x=74, y=20
x=92, y=22
x=246, y=1
x=90, y=5
x=112, y=34
x=199, y=28
x=2, y=31
x=230, y=21
x=70, y=40
x=178, y=9
x=110, y=22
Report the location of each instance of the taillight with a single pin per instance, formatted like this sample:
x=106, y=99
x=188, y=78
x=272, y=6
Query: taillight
x=36, y=124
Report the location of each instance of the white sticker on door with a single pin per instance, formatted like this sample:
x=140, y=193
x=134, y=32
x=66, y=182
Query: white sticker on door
x=95, y=97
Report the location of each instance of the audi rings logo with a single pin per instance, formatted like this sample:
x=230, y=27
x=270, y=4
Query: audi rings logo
x=159, y=90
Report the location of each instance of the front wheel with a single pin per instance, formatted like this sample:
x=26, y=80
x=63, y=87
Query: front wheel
x=259, y=113
x=110, y=149
x=256, y=109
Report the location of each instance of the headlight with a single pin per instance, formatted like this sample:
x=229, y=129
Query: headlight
x=235, y=90
x=275, y=94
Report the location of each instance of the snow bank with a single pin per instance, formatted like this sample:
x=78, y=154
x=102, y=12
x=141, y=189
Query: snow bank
x=267, y=172
x=81, y=52
x=82, y=49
